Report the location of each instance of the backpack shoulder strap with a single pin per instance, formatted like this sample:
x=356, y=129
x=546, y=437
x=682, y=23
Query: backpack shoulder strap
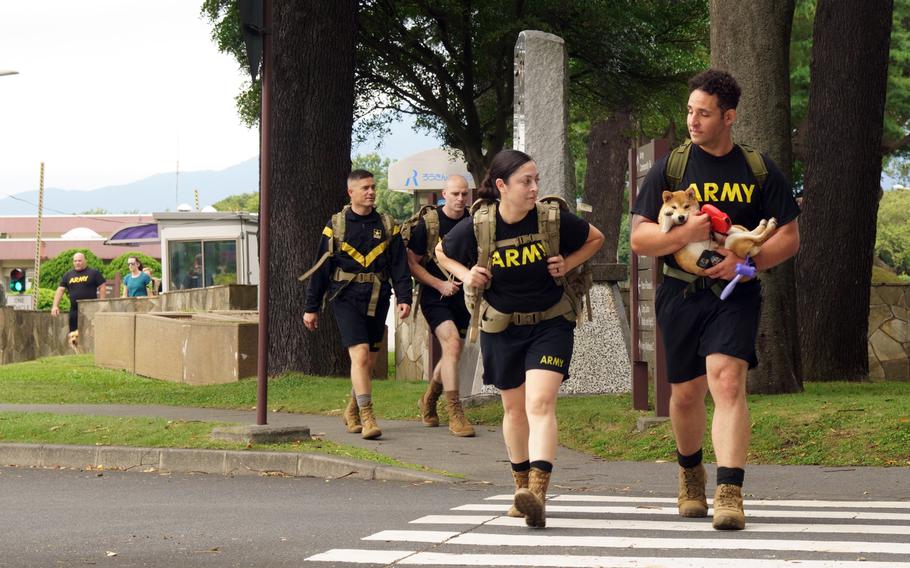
x=389, y=226
x=756, y=163
x=431, y=222
x=338, y=225
x=548, y=214
x=483, y=212
x=676, y=164
x=335, y=234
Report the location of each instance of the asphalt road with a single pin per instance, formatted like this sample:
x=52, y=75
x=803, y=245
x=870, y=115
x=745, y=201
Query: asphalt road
x=88, y=518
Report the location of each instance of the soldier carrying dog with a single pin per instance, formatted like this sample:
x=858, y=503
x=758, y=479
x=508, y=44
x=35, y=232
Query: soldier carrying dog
x=442, y=303
x=709, y=342
x=361, y=252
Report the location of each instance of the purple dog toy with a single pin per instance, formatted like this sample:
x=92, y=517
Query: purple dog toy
x=742, y=269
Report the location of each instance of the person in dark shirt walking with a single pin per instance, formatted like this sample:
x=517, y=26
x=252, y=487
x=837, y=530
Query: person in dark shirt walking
x=360, y=252
x=81, y=283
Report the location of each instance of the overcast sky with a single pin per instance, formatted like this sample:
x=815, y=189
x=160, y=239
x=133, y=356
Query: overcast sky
x=111, y=91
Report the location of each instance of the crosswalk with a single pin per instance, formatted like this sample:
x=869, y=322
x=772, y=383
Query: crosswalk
x=621, y=531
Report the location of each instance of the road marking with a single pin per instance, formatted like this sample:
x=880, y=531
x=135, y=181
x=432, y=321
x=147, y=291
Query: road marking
x=571, y=561
x=657, y=510
x=359, y=556
x=490, y=539
x=660, y=525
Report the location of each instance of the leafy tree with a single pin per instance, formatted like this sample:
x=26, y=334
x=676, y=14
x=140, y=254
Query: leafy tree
x=892, y=243
x=751, y=39
x=850, y=40
x=449, y=64
x=53, y=270
x=895, y=142
x=239, y=202
x=119, y=265
x=396, y=203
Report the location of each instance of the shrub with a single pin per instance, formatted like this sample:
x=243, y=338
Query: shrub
x=119, y=265
x=53, y=270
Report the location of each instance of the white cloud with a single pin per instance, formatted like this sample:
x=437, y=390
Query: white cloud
x=110, y=91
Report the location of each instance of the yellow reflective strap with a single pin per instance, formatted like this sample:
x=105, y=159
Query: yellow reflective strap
x=369, y=258
x=328, y=232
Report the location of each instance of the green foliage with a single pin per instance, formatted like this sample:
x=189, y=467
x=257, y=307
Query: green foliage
x=623, y=250
x=53, y=270
x=449, y=64
x=242, y=202
x=896, y=138
x=46, y=300
x=397, y=204
x=119, y=265
x=892, y=243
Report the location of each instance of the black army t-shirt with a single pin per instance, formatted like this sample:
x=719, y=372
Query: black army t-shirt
x=521, y=281
x=82, y=285
x=418, y=244
x=726, y=182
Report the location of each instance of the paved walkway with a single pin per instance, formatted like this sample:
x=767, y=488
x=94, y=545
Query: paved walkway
x=483, y=458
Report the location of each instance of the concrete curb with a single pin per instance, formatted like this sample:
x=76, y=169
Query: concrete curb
x=221, y=462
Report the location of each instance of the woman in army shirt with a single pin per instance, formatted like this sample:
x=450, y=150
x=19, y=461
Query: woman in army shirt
x=526, y=361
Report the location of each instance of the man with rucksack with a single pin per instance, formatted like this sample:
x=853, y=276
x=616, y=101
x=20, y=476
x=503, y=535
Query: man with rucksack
x=442, y=302
x=360, y=259
x=709, y=342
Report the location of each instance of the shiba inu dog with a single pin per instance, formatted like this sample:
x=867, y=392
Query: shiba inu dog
x=73, y=339
x=679, y=205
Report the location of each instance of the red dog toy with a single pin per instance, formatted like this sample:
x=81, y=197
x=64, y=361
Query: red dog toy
x=720, y=221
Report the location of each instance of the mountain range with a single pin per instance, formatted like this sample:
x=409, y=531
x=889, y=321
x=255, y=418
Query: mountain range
x=152, y=194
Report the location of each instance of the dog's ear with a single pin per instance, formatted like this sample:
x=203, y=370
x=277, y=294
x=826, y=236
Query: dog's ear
x=690, y=193
x=667, y=196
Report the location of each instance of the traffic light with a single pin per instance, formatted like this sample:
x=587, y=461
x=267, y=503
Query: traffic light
x=17, y=280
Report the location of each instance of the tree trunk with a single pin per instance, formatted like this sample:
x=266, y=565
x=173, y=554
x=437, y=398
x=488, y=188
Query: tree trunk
x=605, y=180
x=843, y=178
x=312, y=103
x=751, y=40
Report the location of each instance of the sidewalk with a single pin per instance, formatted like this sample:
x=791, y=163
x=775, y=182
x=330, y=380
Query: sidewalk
x=483, y=458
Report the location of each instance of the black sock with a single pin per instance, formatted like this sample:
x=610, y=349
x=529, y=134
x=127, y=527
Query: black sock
x=523, y=466
x=542, y=465
x=688, y=461
x=730, y=475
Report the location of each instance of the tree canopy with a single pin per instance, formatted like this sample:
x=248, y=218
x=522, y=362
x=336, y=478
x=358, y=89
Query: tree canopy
x=892, y=244
x=449, y=63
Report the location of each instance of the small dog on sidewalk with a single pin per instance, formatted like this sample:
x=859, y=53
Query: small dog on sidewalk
x=73, y=339
x=679, y=205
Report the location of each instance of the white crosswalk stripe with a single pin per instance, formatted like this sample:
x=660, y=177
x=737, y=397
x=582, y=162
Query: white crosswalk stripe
x=623, y=531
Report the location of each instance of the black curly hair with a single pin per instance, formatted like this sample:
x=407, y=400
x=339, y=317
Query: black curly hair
x=718, y=83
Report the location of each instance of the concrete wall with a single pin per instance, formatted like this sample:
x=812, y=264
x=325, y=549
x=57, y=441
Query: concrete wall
x=195, y=349
x=28, y=335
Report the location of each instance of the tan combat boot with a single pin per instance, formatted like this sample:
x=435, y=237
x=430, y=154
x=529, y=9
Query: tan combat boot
x=531, y=502
x=521, y=482
x=427, y=404
x=458, y=424
x=692, y=501
x=351, y=416
x=728, y=508
x=370, y=428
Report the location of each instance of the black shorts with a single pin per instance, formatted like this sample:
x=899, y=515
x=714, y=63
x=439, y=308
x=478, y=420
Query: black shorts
x=698, y=323
x=357, y=327
x=451, y=309
x=509, y=354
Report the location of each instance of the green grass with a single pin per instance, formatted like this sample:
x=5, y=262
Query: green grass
x=833, y=423
x=42, y=428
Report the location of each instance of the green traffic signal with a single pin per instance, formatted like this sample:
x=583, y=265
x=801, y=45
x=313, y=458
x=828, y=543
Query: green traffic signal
x=17, y=280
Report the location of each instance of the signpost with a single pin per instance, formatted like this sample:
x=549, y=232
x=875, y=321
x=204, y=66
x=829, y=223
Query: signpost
x=644, y=276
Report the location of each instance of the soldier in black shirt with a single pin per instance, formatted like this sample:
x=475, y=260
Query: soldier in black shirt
x=710, y=343
x=526, y=353
x=82, y=283
x=360, y=252
x=442, y=304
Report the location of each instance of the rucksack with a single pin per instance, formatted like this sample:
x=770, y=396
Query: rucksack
x=576, y=284
x=336, y=243
x=679, y=157
x=430, y=216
